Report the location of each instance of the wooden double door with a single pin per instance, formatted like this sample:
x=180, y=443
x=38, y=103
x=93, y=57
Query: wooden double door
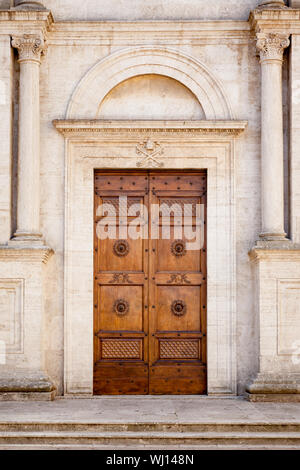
x=149, y=290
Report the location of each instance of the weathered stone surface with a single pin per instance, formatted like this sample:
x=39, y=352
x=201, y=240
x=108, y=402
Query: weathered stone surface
x=150, y=422
x=169, y=60
x=23, y=384
x=265, y=384
x=26, y=385
x=151, y=10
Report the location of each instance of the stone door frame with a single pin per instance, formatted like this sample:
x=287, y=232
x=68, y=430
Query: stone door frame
x=210, y=145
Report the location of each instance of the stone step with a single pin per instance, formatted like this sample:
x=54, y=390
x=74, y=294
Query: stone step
x=190, y=427
x=150, y=438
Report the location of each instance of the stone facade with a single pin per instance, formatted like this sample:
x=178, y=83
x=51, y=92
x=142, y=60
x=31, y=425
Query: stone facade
x=81, y=85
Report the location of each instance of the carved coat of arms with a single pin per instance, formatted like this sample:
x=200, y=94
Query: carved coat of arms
x=149, y=150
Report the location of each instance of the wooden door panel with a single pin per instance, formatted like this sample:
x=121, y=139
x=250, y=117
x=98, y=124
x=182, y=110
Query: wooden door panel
x=168, y=259
x=121, y=289
x=120, y=308
x=176, y=182
x=177, y=324
x=178, y=308
x=108, y=182
x=127, y=379
x=187, y=378
x=109, y=258
x=180, y=214
x=150, y=295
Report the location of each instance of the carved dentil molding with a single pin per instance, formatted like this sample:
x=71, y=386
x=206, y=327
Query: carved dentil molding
x=271, y=45
x=30, y=47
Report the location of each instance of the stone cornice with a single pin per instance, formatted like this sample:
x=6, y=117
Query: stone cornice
x=141, y=32
x=22, y=21
x=282, y=21
x=12, y=21
x=30, y=254
x=78, y=128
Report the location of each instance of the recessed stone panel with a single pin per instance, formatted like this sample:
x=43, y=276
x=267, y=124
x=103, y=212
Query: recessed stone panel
x=11, y=314
x=288, y=316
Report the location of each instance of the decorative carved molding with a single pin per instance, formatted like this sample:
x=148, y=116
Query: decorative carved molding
x=121, y=248
x=121, y=307
x=125, y=129
x=179, y=278
x=121, y=278
x=281, y=19
x=178, y=308
x=271, y=45
x=178, y=248
x=149, y=150
x=30, y=47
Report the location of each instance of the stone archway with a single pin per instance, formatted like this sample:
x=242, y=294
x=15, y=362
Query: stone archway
x=127, y=63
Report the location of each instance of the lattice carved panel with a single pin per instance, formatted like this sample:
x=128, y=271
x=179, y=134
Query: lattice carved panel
x=121, y=349
x=121, y=209
x=182, y=206
x=179, y=349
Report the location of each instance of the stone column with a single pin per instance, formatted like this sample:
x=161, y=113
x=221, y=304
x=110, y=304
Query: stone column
x=271, y=47
x=30, y=48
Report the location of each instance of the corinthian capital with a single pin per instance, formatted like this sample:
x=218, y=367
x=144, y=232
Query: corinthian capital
x=30, y=47
x=271, y=45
